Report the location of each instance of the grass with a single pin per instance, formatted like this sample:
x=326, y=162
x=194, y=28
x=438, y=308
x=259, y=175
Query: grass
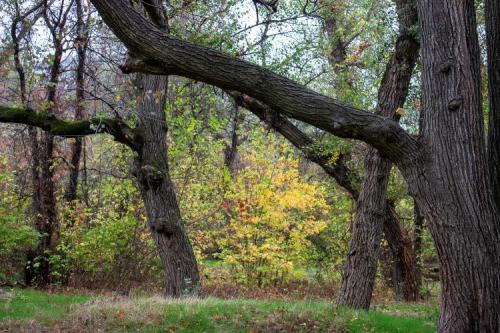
x=76, y=313
x=32, y=304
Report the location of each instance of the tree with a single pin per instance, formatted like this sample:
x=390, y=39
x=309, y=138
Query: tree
x=43, y=199
x=157, y=190
x=372, y=204
x=81, y=45
x=446, y=167
x=147, y=140
x=370, y=210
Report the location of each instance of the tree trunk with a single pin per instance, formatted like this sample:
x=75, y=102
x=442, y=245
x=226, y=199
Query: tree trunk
x=231, y=149
x=405, y=278
x=395, y=234
x=361, y=266
x=452, y=188
x=76, y=149
x=166, y=224
x=358, y=279
x=417, y=243
x=492, y=14
x=37, y=269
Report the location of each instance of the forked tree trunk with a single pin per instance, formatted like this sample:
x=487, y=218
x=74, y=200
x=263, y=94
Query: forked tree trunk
x=361, y=266
x=164, y=218
x=453, y=189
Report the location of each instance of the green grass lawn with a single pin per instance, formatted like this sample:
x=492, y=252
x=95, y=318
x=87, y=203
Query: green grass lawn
x=155, y=314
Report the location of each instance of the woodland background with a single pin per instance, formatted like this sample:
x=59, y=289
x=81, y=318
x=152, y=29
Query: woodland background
x=262, y=218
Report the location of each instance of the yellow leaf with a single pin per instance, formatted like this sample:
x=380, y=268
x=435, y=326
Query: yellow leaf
x=401, y=111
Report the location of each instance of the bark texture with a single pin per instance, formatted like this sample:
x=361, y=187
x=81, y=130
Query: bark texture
x=454, y=189
x=446, y=168
x=372, y=205
x=492, y=15
x=166, y=224
x=406, y=284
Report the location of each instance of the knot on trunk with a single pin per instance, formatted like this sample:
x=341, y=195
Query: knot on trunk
x=162, y=225
x=150, y=177
x=133, y=64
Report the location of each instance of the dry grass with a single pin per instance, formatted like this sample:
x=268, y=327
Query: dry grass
x=193, y=315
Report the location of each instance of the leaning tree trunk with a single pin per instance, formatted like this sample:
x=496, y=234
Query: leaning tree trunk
x=361, y=266
x=455, y=194
x=404, y=258
x=166, y=224
x=405, y=271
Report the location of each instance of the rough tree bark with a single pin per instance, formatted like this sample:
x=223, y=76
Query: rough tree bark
x=164, y=218
x=453, y=188
x=492, y=15
x=154, y=51
x=361, y=266
x=157, y=189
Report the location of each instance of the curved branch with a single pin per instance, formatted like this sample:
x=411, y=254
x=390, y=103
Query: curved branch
x=161, y=54
x=115, y=127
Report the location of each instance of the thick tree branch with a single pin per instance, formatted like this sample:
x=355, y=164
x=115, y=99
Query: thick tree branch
x=115, y=127
x=161, y=54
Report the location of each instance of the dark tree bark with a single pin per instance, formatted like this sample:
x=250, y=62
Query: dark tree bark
x=166, y=224
x=358, y=278
x=492, y=15
x=453, y=188
x=405, y=280
x=417, y=242
x=164, y=217
x=154, y=51
x=361, y=266
x=81, y=42
x=231, y=149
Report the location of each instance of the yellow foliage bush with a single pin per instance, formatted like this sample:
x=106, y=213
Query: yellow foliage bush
x=272, y=213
